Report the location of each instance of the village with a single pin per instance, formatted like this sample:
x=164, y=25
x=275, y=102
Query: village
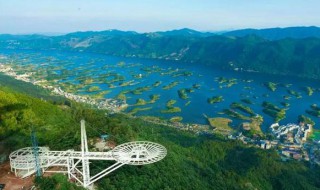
x=291, y=142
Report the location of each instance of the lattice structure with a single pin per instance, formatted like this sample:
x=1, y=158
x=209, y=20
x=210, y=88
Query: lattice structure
x=77, y=163
x=35, y=152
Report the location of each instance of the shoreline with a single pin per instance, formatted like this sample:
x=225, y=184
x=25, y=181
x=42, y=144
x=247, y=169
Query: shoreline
x=111, y=105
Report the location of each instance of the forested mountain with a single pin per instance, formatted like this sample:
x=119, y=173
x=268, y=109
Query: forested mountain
x=193, y=161
x=298, y=57
x=278, y=33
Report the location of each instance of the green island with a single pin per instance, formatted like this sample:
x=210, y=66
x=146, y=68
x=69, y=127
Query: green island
x=285, y=104
x=127, y=83
x=196, y=86
x=306, y=120
x=171, y=108
x=185, y=74
x=234, y=114
x=294, y=93
x=242, y=108
x=140, y=102
x=170, y=103
x=93, y=89
x=113, y=77
x=183, y=94
x=287, y=97
x=176, y=119
x=271, y=86
x=247, y=101
x=314, y=111
x=215, y=99
x=101, y=94
x=171, y=85
x=86, y=81
x=226, y=82
x=121, y=96
x=274, y=111
x=140, y=90
x=154, y=98
x=136, y=110
x=285, y=85
x=309, y=90
x=156, y=84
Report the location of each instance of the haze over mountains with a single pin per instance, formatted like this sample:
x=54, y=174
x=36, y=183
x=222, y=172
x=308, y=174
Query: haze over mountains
x=278, y=33
x=286, y=51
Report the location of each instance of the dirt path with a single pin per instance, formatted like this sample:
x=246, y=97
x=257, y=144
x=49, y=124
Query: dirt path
x=11, y=181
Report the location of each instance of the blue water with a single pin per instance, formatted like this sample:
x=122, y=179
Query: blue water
x=92, y=65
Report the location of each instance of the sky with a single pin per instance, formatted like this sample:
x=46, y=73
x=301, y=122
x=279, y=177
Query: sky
x=63, y=16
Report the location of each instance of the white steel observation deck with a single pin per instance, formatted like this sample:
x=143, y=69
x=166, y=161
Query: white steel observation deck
x=76, y=163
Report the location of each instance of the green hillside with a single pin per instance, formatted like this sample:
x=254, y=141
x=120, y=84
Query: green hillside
x=193, y=161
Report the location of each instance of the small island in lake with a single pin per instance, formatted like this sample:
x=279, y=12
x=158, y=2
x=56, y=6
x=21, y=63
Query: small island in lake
x=215, y=99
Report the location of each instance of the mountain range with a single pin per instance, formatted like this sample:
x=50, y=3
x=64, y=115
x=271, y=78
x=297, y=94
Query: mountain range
x=287, y=51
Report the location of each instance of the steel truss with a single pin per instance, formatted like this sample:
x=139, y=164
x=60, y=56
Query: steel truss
x=77, y=163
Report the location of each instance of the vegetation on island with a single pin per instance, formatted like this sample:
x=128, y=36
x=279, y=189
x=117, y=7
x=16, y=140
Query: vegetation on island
x=234, y=114
x=274, y=111
x=171, y=108
x=247, y=101
x=242, y=108
x=285, y=104
x=121, y=96
x=93, y=88
x=140, y=90
x=196, y=86
x=187, y=103
x=287, y=97
x=136, y=110
x=176, y=119
x=215, y=99
x=294, y=93
x=157, y=83
x=306, y=120
x=309, y=90
x=171, y=85
x=185, y=74
x=225, y=82
x=315, y=110
x=154, y=98
x=101, y=94
x=183, y=93
x=140, y=102
x=271, y=86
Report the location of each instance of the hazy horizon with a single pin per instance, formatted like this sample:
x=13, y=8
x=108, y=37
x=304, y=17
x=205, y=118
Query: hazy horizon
x=49, y=16
x=217, y=32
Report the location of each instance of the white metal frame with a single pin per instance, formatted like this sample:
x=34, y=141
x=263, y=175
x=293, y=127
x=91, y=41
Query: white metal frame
x=76, y=163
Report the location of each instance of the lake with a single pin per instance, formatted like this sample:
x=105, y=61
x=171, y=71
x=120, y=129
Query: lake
x=138, y=79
